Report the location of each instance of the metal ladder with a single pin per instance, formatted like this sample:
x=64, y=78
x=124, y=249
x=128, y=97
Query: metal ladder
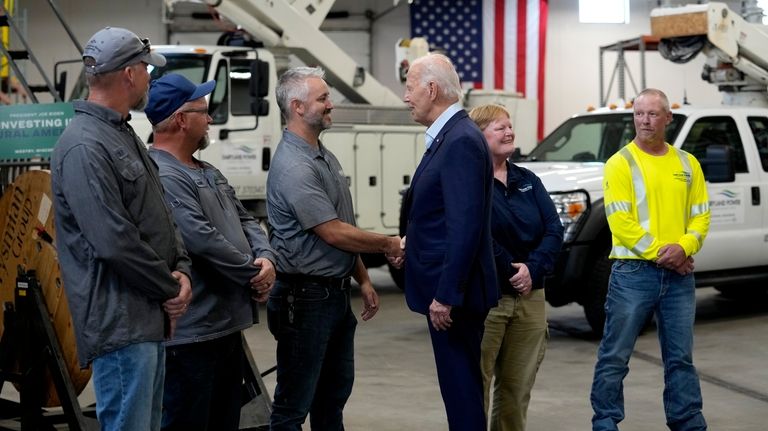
x=13, y=56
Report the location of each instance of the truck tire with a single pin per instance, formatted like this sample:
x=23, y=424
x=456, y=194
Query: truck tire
x=596, y=291
x=398, y=276
x=743, y=293
x=375, y=260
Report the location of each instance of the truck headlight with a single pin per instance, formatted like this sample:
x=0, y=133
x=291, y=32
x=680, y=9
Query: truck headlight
x=572, y=207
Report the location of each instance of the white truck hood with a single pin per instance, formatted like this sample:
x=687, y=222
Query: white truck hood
x=568, y=176
x=141, y=125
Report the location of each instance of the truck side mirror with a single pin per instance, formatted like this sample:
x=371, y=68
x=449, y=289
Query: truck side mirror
x=61, y=85
x=717, y=164
x=259, y=88
x=260, y=107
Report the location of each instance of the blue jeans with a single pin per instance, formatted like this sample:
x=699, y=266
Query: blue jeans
x=203, y=385
x=314, y=327
x=128, y=384
x=637, y=289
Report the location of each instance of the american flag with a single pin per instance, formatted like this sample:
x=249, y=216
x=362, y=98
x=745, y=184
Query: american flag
x=495, y=44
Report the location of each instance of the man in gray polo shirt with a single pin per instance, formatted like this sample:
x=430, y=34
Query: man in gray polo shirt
x=313, y=232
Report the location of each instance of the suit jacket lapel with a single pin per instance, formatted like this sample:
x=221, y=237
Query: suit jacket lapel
x=430, y=153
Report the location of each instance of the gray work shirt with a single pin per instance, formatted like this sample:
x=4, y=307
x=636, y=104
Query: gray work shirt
x=307, y=187
x=222, y=239
x=116, y=240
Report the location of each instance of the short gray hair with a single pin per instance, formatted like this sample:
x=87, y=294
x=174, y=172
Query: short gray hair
x=168, y=124
x=293, y=86
x=440, y=69
x=660, y=94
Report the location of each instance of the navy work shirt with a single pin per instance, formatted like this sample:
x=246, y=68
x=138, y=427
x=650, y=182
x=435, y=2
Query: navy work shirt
x=525, y=227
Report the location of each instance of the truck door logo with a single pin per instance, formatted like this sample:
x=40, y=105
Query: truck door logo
x=726, y=208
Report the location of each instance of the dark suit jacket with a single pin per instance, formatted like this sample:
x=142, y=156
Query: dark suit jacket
x=449, y=251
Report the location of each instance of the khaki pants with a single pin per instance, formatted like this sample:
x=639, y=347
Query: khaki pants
x=513, y=346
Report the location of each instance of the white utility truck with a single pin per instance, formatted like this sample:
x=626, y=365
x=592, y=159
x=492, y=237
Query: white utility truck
x=730, y=141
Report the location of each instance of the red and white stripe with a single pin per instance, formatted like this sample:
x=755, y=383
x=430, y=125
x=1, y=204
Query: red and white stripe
x=514, y=41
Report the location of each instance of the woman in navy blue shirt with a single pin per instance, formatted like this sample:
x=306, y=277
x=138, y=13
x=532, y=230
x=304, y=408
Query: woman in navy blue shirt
x=527, y=236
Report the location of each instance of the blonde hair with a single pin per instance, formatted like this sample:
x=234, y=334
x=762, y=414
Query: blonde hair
x=483, y=115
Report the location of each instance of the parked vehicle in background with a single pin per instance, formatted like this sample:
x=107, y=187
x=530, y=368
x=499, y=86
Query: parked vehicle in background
x=731, y=142
x=734, y=140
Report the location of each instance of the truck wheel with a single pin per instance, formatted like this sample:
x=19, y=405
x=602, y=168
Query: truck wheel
x=398, y=276
x=743, y=293
x=597, y=289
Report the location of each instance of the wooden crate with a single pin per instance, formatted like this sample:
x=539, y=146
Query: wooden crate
x=685, y=24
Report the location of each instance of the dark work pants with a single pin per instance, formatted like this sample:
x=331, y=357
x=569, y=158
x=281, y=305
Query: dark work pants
x=203, y=385
x=314, y=326
x=457, y=356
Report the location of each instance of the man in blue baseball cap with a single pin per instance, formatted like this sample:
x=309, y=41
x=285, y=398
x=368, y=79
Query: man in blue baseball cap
x=232, y=262
x=171, y=92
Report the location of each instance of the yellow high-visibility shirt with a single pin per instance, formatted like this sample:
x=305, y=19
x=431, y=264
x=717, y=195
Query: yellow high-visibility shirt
x=652, y=201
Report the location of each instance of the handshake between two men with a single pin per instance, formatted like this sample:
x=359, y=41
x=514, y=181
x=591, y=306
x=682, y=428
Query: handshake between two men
x=396, y=255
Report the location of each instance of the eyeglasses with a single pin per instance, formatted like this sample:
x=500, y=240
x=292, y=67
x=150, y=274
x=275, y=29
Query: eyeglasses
x=198, y=110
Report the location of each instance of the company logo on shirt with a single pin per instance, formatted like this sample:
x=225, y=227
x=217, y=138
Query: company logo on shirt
x=525, y=188
x=682, y=176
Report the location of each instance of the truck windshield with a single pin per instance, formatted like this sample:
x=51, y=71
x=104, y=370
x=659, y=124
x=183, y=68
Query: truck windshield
x=193, y=66
x=593, y=138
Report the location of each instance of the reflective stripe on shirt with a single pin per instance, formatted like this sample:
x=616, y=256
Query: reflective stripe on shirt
x=619, y=206
x=638, y=185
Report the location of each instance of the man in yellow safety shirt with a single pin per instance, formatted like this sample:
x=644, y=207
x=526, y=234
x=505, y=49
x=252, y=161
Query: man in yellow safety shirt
x=658, y=212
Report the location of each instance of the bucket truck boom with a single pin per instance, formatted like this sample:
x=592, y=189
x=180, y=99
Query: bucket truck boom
x=737, y=50
x=295, y=26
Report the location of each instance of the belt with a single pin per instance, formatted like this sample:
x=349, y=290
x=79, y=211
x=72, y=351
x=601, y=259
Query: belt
x=332, y=282
x=639, y=261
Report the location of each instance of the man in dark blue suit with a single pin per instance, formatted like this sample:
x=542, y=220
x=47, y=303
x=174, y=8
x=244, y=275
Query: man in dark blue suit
x=449, y=266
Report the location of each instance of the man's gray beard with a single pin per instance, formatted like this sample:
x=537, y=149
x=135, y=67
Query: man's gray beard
x=318, y=123
x=141, y=103
x=203, y=143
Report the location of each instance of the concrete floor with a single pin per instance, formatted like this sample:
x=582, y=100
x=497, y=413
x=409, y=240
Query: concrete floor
x=396, y=385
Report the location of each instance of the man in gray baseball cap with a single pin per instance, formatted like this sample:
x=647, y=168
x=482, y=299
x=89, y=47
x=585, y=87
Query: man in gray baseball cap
x=125, y=269
x=114, y=48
